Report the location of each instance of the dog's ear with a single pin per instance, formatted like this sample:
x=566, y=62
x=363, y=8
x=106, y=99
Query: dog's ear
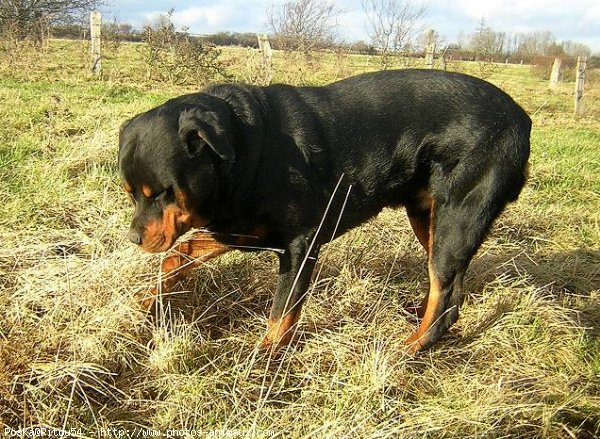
x=199, y=127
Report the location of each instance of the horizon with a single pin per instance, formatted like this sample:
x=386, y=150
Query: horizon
x=576, y=21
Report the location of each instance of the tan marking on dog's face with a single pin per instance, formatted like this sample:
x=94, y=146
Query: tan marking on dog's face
x=184, y=216
x=424, y=199
x=127, y=188
x=177, y=219
x=161, y=233
x=188, y=217
x=153, y=239
x=147, y=191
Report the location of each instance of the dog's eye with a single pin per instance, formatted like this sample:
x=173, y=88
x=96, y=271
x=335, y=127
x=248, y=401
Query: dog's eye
x=160, y=195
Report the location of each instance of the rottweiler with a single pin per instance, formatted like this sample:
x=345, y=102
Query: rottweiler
x=291, y=168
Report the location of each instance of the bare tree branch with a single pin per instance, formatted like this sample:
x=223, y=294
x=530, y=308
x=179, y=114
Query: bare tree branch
x=31, y=17
x=303, y=24
x=392, y=25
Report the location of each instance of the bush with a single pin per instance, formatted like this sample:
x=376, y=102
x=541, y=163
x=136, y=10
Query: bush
x=542, y=67
x=179, y=58
x=16, y=47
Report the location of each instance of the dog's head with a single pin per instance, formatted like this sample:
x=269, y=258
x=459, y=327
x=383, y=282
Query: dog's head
x=171, y=161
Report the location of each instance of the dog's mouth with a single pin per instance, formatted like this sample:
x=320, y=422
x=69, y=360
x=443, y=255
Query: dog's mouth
x=159, y=244
x=160, y=235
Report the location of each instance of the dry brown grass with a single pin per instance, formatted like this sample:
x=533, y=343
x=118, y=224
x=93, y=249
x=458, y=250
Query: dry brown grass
x=77, y=354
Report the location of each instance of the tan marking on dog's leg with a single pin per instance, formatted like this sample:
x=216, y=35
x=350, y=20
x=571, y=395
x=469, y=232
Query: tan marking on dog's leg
x=423, y=228
x=184, y=257
x=280, y=331
x=431, y=312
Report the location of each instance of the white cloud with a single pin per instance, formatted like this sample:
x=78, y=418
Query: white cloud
x=351, y=25
x=204, y=16
x=558, y=16
x=196, y=17
x=519, y=10
x=230, y=15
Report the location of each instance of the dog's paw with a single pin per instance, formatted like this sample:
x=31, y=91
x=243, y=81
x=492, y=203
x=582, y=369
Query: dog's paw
x=146, y=299
x=280, y=334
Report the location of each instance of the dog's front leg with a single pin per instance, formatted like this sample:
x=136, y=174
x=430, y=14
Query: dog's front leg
x=200, y=248
x=295, y=269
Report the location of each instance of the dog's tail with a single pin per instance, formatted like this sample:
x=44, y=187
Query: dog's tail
x=517, y=145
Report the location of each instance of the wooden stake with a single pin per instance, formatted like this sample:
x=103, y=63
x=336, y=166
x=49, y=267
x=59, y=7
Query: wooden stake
x=430, y=50
x=265, y=47
x=267, y=56
x=579, y=84
x=96, y=25
x=556, y=71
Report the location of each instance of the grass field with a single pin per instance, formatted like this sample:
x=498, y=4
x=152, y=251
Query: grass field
x=77, y=353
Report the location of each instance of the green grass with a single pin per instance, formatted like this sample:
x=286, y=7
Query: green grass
x=77, y=353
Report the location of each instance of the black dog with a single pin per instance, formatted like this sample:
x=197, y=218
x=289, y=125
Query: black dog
x=291, y=167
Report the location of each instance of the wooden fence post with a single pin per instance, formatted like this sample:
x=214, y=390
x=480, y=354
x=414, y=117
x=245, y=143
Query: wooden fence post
x=95, y=27
x=265, y=47
x=556, y=71
x=443, y=58
x=430, y=50
x=443, y=61
x=267, y=56
x=579, y=83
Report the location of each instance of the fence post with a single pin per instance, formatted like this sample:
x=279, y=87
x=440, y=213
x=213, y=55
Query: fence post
x=267, y=55
x=579, y=83
x=95, y=27
x=265, y=47
x=430, y=50
x=556, y=71
x=443, y=62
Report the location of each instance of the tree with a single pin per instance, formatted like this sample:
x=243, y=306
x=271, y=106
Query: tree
x=572, y=48
x=488, y=44
x=302, y=25
x=32, y=17
x=535, y=43
x=392, y=25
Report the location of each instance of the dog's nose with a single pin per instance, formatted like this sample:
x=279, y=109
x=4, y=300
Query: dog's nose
x=135, y=236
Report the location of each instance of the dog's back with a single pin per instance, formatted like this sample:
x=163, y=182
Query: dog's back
x=394, y=133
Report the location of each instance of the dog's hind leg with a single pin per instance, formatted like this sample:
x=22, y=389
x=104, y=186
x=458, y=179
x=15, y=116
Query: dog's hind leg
x=419, y=216
x=458, y=226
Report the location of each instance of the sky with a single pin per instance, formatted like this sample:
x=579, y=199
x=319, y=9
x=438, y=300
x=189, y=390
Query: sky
x=575, y=20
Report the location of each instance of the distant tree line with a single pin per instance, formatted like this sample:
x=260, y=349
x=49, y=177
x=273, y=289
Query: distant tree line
x=483, y=43
x=394, y=27
x=486, y=43
x=129, y=33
